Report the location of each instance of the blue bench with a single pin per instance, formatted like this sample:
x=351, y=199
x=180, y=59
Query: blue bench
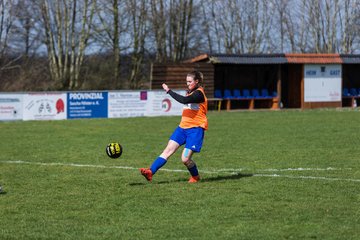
x=251, y=96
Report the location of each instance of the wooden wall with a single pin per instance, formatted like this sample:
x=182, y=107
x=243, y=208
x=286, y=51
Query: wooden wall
x=321, y=105
x=175, y=75
x=291, y=76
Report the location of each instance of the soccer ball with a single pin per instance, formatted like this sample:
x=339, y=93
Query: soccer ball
x=114, y=150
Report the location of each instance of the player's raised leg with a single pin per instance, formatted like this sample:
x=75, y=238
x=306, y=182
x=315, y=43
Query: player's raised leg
x=160, y=161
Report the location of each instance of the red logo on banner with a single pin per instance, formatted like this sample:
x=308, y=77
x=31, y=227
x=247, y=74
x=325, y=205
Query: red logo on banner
x=60, y=106
x=166, y=105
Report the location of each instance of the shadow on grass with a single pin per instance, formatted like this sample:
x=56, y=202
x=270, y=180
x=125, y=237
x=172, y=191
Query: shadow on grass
x=208, y=179
x=228, y=177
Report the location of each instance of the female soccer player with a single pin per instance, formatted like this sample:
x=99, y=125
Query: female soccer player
x=190, y=131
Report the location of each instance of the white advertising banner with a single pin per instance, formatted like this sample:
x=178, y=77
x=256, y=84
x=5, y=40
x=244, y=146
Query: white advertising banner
x=11, y=106
x=162, y=104
x=142, y=103
x=322, y=83
x=123, y=104
x=44, y=106
x=116, y=104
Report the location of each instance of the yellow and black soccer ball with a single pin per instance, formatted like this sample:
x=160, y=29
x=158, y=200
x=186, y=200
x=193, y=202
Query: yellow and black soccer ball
x=114, y=150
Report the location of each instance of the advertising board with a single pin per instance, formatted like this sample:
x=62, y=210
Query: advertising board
x=44, y=106
x=87, y=105
x=11, y=107
x=142, y=103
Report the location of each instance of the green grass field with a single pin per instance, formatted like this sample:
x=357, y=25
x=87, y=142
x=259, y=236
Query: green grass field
x=265, y=175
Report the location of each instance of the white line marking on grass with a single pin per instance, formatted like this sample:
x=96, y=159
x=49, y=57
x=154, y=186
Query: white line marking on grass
x=283, y=170
x=231, y=171
x=68, y=164
x=307, y=177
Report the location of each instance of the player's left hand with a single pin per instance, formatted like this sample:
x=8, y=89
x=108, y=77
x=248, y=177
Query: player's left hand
x=165, y=87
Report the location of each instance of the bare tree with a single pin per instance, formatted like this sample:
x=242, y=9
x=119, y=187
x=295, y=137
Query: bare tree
x=7, y=18
x=240, y=26
x=27, y=37
x=181, y=17
x=5, y=24
x=67, y=26
x=258, y=26
x=171, y=23
x=297, y=26
x=349, y=18
x=322, y=24
x=111, y=33
x=282, y=21
x=158, y=21
x=210, y=26
x=138, y=11
x=231, y=26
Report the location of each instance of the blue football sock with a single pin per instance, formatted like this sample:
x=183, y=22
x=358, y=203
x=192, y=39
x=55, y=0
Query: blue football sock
x=158, y=163
x=194, y=171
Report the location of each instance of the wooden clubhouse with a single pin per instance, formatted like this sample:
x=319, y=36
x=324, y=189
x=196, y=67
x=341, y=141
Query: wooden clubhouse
x=272, y=81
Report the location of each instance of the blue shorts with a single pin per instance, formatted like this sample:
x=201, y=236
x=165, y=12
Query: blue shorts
x=192, y=137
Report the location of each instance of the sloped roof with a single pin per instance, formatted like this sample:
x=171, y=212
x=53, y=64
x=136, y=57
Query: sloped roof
x=240, y=58
x=281, y=58
x=350, y=58
x=313, y=58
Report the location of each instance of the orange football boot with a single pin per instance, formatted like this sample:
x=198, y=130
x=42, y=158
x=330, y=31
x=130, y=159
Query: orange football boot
x=146, y=172
x=194, y=179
